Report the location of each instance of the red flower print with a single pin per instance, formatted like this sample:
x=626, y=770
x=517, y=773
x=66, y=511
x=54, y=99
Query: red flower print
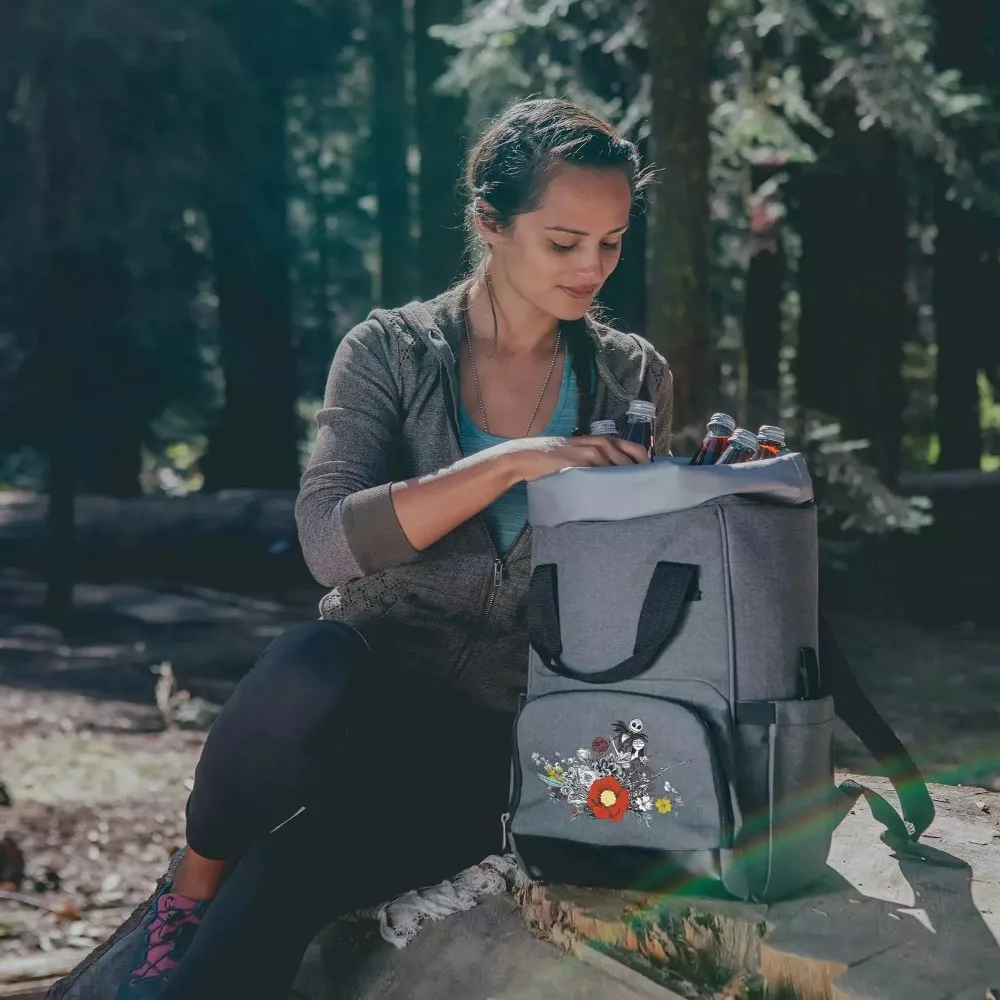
x=607, y=799
x=601, y=745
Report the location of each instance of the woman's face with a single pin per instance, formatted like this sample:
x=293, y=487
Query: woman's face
x=557, y=257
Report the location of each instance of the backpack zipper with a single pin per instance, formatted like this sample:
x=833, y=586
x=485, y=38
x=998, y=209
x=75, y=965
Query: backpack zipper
x=516, y=778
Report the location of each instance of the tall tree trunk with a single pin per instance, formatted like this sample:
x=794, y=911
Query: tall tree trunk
x=61, y=322
x=765, y=274
x=678, y=276
x=441, y=132
x=59, y=332
x=762, y=300
x=624, y=293
x=389, y=149
x=114, y=399
x=854, y=316
x=962, y=274
x=964, y=257
x=315, y=342
x=255, y=443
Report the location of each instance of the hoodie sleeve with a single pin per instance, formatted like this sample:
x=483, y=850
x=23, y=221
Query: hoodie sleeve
x=346, y=520
x=660, y=380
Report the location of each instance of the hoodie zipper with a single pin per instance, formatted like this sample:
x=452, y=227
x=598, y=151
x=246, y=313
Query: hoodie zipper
x=499, y=562
x=499, y=565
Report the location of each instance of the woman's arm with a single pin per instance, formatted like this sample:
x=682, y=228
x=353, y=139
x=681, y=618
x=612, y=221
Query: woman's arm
x=352, y=521
x=429, y=507
x=346, y=521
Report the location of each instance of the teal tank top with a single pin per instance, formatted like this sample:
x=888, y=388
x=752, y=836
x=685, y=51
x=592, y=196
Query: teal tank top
x=506, y=516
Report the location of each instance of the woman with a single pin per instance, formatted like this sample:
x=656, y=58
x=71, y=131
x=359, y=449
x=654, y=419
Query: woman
x=389, y=718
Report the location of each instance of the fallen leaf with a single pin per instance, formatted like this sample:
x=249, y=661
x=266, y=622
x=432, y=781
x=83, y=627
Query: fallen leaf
x=66, y=911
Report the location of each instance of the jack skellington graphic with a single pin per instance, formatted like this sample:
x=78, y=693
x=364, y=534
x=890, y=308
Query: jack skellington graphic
x=631, y=742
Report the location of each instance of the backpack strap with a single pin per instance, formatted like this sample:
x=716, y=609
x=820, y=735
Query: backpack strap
x=902, y=833
x=671, y=586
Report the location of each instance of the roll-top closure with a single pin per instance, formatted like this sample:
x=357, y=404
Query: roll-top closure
x=667, y=484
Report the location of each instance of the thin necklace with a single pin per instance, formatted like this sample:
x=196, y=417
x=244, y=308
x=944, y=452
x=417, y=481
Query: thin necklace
x=479, y=392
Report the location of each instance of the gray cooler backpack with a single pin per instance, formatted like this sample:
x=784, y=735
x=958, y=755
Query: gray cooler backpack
x=677, y=728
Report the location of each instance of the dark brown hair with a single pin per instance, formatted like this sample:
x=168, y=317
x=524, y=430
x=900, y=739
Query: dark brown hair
x=506, y=175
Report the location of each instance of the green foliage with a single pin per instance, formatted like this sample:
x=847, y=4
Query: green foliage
x=590, y=51
x=106, y=146
x=153, y=94
x=879, y=55
x=989, y=421
x=850, y=496
x=876, y=51
x=146, y=105
x=789, y=76
x=330, y=215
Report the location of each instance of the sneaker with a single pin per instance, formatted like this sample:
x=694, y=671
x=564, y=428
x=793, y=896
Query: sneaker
x=167, y=932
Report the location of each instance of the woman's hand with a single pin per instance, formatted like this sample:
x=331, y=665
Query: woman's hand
x=430, y=506
x=537, y=457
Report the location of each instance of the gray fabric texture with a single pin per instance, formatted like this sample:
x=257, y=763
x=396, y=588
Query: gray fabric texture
x=668, y=484
x=752, y=536
x=563, y=727
x=389, y=414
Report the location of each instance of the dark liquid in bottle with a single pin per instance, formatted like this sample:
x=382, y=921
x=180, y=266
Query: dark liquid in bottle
x=770, y=441
x=711, y=450
x=640, y=432
x=734, y=455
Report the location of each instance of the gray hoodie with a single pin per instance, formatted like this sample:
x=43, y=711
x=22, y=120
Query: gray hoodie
x=456, y=611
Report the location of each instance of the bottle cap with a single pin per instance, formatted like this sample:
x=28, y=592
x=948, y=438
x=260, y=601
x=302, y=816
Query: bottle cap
x=599, y=427
x=641, y=408
x=771, y=432
x=723, y=421
x=742, y=438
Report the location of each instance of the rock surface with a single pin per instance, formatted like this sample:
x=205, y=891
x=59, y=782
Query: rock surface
x=878, y=927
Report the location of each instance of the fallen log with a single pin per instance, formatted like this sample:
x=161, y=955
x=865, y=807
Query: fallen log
x=204, y=536
x=20, y=970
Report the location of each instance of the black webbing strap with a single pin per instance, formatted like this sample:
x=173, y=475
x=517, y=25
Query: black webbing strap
x=671, y=586
x=902, y=833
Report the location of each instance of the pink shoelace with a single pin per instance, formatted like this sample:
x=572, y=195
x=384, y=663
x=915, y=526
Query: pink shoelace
x=173, y=916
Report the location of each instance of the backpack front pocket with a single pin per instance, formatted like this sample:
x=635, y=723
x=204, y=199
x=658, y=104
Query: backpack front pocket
x=615, y=771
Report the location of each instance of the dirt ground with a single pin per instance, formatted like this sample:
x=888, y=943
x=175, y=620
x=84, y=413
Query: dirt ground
x=98, y=778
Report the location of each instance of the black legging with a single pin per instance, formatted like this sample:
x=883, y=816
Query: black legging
x=403, y=785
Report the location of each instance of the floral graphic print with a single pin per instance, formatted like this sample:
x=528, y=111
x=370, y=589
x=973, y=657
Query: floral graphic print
x=607, y=799
x=611, y=778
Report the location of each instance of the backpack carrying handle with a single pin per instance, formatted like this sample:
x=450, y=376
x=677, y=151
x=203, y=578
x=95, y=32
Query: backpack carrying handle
x=671, y=586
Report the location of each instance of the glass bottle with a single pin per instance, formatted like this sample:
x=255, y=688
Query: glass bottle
x=639, y=425
x=770, y=441
x=717, y=434
x=742, y=448
x=602, y=428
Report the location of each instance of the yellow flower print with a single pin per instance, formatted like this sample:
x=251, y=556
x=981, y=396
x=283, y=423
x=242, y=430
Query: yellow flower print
x=555, y=772
x=663, y=805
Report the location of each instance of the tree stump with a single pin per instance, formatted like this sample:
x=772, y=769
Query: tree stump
x=876, y=926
